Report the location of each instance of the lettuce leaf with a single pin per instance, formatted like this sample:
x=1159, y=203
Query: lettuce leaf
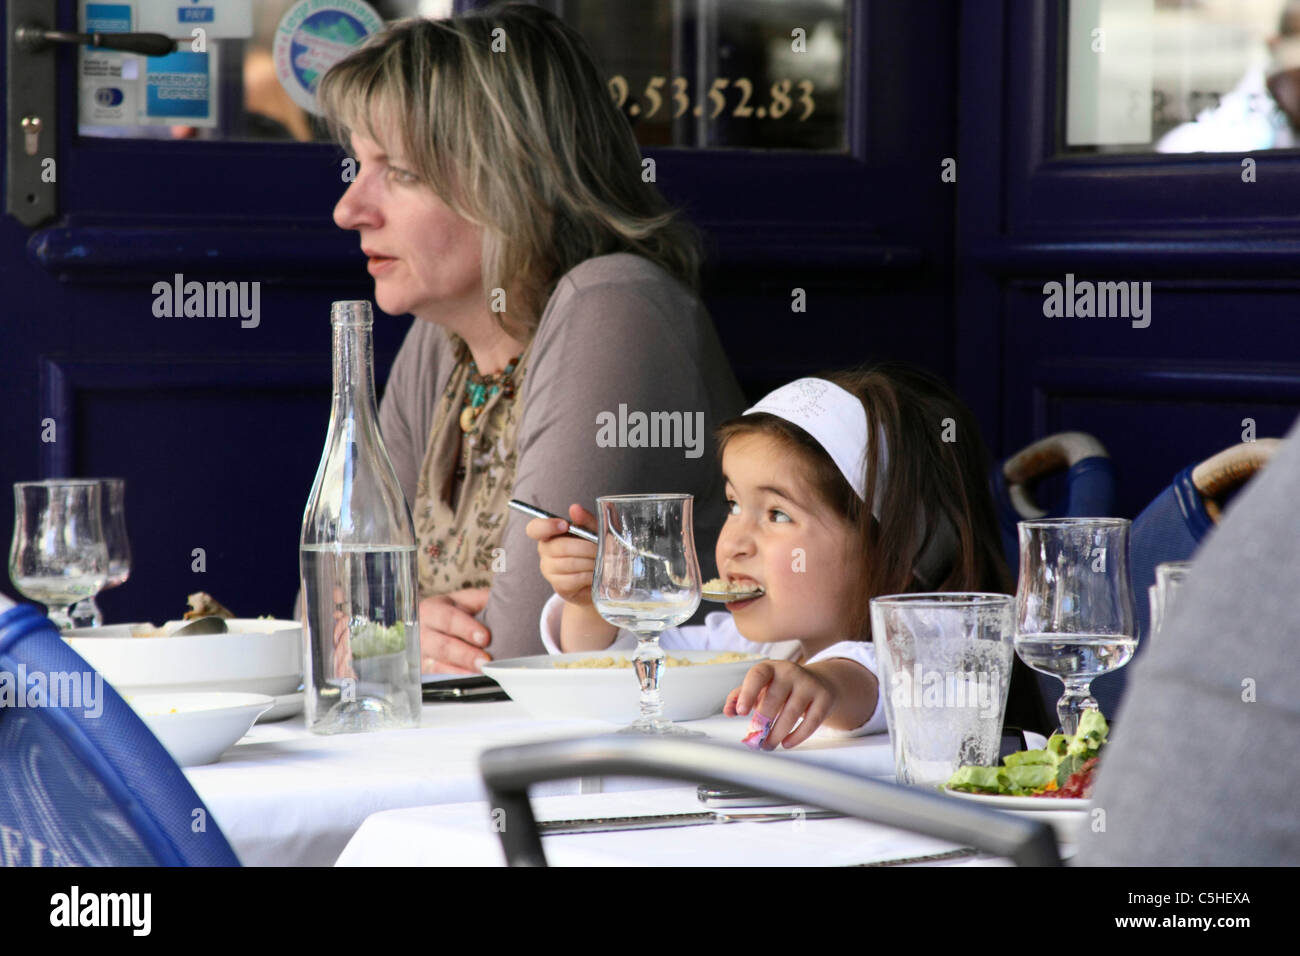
x=1028, y=772
x=1024, y=757
x=976, y=780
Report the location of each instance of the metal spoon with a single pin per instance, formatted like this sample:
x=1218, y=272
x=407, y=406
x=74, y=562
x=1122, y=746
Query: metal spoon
x=585, y=535
x=729, y=597
x=201, y=625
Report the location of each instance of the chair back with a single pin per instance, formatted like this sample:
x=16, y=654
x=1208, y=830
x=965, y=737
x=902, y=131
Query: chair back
x=85, y=781
x=509, y=772
x=1088, y=491
x=1171, y=528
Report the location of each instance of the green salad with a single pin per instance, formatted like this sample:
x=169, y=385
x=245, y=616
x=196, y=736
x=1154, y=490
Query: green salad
x=374, y=639
x=1046, y=772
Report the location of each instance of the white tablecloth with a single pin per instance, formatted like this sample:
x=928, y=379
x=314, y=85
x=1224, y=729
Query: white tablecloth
x=286, y=797
x=461, y=835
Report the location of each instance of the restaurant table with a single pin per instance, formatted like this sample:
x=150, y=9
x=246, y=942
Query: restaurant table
x=284, y=796
x=462, y=835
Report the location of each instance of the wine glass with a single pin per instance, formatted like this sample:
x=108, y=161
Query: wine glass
x=113, y=499
x=647, y=579
x=58, y=555
x=1074, y=605
x=1170, y=576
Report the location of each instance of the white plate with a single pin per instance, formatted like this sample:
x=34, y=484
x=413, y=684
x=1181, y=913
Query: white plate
x=1065, y=815
x=1036, y=804
x=256, y=657
x=198, y=728
x=286, y=706
x=611, y=694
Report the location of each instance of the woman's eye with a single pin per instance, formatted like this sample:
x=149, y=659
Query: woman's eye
x=778, y=516
x=732, y=507
x=401, y=175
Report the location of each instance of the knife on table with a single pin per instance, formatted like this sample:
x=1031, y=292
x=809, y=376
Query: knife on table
x=463, y=688
x=658, y=820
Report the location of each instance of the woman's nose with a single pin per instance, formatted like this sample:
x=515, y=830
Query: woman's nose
x=353, y=209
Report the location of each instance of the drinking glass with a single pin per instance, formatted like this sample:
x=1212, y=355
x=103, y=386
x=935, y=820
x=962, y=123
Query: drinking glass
x=1074, y=605
x=647, y=579
x=58, y=556
x=1170, y=576
x=944, y=668
x=112, y=492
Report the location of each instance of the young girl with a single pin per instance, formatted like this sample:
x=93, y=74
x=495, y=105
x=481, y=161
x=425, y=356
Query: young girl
x=800, y=468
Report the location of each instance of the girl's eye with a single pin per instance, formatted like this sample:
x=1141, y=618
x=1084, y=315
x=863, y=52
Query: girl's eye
x=778, y=516
x=401, y=175
x=732, y=507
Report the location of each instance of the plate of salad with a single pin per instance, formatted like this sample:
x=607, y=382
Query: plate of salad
x=1057, y=777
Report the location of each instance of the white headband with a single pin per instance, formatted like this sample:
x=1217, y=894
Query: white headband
x=836, y=419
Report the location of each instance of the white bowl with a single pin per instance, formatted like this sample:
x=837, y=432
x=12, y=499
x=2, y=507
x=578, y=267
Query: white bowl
x=256, y=657
x=612, y=694
x=198, y=728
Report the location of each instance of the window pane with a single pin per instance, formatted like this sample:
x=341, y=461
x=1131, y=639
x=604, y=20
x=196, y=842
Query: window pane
x=230, y=90
x=1182, y=76
x=739, y=74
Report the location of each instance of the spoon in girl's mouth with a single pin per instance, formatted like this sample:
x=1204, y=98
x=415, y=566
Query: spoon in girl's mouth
x=726, y=593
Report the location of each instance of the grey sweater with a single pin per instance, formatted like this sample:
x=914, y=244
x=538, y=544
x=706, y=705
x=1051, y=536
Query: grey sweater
x=618, y=336
x=1203, y=768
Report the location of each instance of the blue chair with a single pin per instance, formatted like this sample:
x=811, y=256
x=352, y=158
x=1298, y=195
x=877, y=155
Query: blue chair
x=1171, y=528
x=1089, y=488
x=85, y=782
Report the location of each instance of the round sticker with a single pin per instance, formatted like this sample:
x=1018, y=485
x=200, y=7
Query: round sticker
x=312, y=37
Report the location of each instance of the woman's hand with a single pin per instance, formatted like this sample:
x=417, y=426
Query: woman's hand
x=567, y=563
x=451, y=640
x=784, y=692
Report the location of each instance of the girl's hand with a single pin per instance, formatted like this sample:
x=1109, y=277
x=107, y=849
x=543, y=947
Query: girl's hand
x=784, y=692
x=451, y=640
x=567, y=563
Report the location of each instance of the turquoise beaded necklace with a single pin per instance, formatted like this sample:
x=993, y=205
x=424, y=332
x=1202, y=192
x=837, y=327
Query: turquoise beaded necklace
x=479, y=388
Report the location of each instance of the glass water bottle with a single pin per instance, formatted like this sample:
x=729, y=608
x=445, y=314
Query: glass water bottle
x=357, y=559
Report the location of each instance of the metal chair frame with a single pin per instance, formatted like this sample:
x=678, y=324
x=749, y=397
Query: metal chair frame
x=508, y=772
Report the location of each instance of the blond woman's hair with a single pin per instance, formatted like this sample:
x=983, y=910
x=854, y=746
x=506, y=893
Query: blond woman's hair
x=524, y=141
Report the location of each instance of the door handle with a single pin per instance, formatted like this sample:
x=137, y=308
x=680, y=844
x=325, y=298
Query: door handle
x=31, y=121
x=31, y=117
x=35, y=38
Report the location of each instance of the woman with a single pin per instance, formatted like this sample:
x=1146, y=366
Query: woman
x=500, y=200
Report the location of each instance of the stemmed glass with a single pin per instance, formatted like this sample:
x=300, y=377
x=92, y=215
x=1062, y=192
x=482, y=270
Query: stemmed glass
x=647, y=579
x=1074, y=605
x=58, y=555
x=1170, y=576
x=113, y=499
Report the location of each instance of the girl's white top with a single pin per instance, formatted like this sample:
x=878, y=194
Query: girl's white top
x=718, y=633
